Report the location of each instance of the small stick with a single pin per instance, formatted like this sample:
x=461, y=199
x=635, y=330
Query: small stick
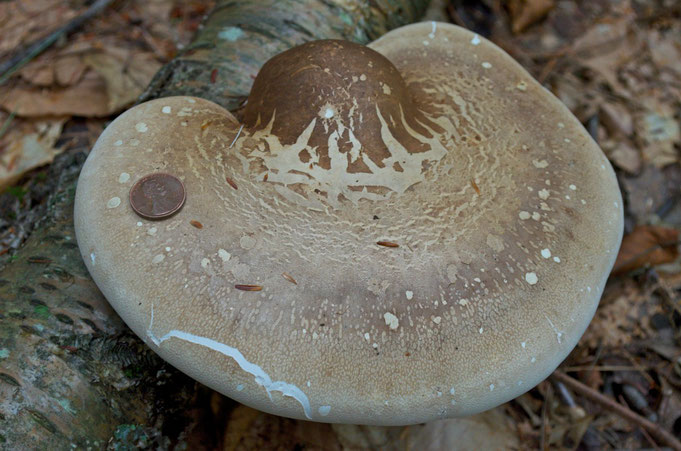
x=654, y=429
x=237, y=136
x=16, y=62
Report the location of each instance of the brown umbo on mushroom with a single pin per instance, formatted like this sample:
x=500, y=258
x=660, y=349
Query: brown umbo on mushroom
x=406, y=231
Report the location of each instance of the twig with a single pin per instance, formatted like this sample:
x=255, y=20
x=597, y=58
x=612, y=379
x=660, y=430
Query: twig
x=654, y=429
x=16, y=62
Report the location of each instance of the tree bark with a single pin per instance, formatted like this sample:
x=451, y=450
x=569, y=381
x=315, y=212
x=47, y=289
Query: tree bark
x=71, y=374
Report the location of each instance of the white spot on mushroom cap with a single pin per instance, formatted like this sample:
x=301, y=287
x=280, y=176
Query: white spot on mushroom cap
x=491, y=387
x=452, y=391
x=239, y=387
x=367, y=337
x=139, y=224
x=324, y=410
x=124, y=177
x=531, y=278
x=524, y=215
x=486, y=65
x=328, y=113
x=158, y=258
x=391, y=320
x=475, y=40
x=540, y=164
x=93, y=257
x=205, y=262
x=118, y=143
x=437, y=319
x=556, y=259
x=523, y=344
x=166, y=110
x=431, y=35
x=141, y=127
x=409, y=294
x=152, y=231
x=167, y=248
x=113, y=202
x=543, y=194
x=572, y=187
x=224, y=255
x=546, y=253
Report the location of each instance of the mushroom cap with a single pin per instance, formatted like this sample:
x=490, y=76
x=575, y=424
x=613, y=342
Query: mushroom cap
x=425, y=244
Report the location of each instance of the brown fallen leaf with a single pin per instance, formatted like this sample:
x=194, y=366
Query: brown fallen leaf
x=526, y=12
x=90, y=82
x=27, y=144
x=647, y=245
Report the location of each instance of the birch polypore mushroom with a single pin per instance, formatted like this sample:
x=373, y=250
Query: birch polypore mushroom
x=395, y=233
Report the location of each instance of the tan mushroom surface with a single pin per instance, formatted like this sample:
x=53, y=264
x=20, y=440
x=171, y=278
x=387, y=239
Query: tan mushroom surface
x=395, y=233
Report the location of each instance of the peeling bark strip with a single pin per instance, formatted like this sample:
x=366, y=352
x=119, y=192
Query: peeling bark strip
x=71, y=373
x=239, y=36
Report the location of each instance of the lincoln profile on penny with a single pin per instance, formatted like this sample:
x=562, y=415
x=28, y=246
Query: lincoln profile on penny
x=424, y=231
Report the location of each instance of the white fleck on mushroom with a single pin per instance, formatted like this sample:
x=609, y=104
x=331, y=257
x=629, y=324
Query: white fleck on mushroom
x=113, y=202
x=391, y=320
x=531, y=278
x=461, y=195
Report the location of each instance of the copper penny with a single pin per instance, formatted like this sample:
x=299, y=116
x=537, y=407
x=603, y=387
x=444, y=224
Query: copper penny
x=157, y=196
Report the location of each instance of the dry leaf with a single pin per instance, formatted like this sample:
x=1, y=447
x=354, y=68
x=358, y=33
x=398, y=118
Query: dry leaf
x=108, y=80
x=24, y=21
x=526, y=12
x=647, y=246
x=616, y=119
x=623, y=155
x=658, y=132
x=87, y=98
x=606, y=47
x=665, y=49
x=126, y=74
x=27, y=145
x=489, y=430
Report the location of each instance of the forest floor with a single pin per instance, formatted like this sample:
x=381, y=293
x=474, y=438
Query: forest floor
x=615, y=63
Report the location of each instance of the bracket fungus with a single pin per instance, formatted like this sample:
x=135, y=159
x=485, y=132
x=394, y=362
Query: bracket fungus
x=395, y=233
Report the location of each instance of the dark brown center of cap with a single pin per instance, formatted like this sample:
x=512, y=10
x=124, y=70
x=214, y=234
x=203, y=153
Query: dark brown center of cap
x=350, y=91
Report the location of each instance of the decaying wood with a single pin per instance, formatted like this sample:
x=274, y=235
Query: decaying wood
x=71, y=373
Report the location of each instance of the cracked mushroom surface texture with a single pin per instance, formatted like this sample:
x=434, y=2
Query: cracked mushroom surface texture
x=395, y=233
